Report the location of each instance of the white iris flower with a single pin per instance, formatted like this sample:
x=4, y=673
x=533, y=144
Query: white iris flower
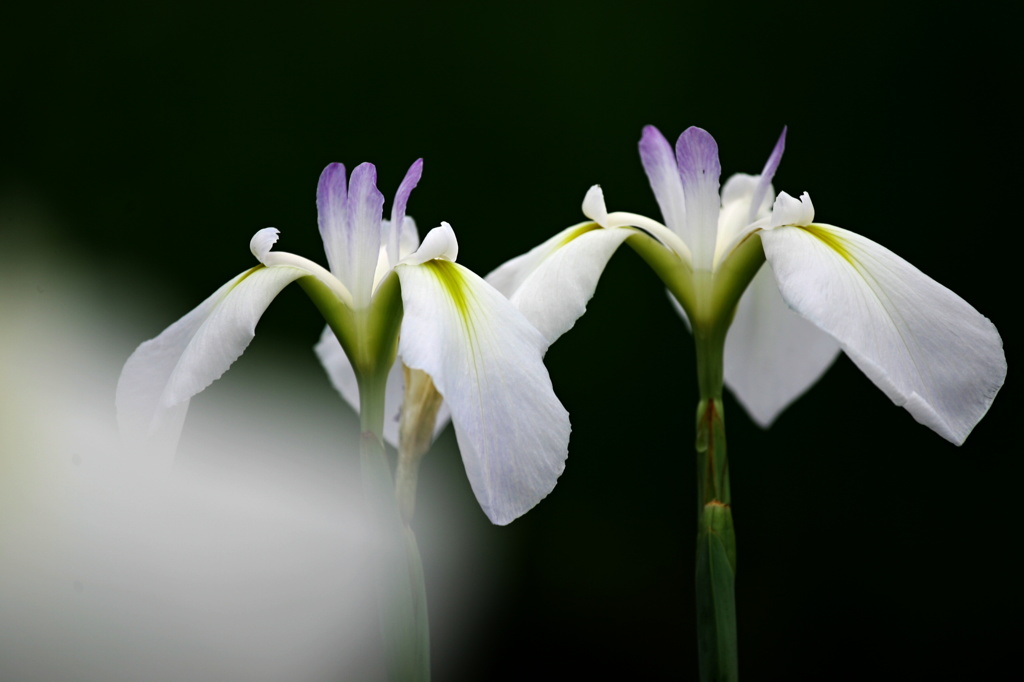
x=384, y=295
x=823, y=289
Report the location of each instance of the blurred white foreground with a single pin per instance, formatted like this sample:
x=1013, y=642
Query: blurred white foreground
x=241, y=562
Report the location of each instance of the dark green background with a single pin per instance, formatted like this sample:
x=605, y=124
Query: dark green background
x=162, y=136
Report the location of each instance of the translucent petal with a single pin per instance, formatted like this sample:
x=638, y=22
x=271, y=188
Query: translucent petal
x=165, y=372
x=923, y=345
x=485, y=358
x=552, y=283
x=772, y=355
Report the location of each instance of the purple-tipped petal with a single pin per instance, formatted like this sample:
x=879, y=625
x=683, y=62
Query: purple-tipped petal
x=411, y=179
x=765, y=180
x=663, y=174
x=362, y=234
x=331, y=198
x=699, y=170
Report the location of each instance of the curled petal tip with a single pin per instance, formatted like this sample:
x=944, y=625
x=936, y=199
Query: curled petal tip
x=263, y=241
x=790, y=211
x=439, y=243
x=593, y=205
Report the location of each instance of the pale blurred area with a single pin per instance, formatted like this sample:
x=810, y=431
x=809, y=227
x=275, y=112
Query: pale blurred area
x=243, y=561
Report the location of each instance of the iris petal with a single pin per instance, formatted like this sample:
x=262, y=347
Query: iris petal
x=163, y=374
x=485, y=359
x=772, y=355
x=923, y=345
x=552, y=283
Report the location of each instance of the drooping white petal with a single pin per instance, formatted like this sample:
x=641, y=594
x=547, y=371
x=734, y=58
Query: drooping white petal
x=552, y=283
x=485, y=358
x=165, y=372
x=923, y=345
x=772, y=355
x=699, y=170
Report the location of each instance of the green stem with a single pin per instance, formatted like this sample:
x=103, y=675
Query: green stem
x=396, y=563
x=716, y=540
x=370, y=339
x=710, y=299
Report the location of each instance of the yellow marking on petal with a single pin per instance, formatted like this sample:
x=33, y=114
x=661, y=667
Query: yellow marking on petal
x=447, y=273
x=578, y=231
x=450, y=278
x=831, y=241
x=249, y=272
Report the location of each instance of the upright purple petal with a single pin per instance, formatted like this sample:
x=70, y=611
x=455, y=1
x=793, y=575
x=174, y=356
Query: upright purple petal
x=767, y=174
x=699, y=170
x=411, y=179
x=331, y=196
x=663, y=174
x=362, y=233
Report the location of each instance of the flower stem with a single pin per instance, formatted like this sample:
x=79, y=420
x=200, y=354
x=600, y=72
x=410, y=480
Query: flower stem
x=716, y=540
x=370, y=339
x=396, y=563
